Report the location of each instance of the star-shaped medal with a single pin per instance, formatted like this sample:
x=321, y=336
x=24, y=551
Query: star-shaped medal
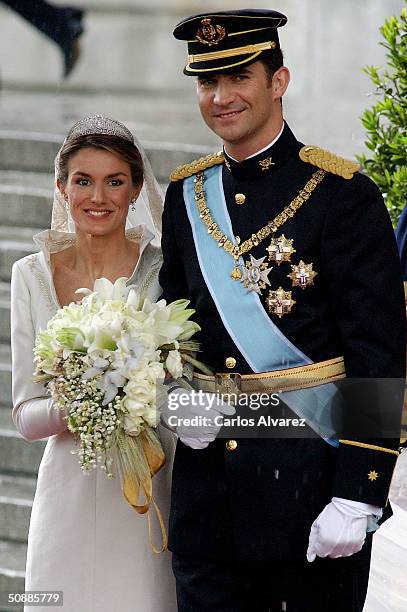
x=280, y=249
x=373, y=475
x=302, y=275
x=255, y=274
x=279, y=302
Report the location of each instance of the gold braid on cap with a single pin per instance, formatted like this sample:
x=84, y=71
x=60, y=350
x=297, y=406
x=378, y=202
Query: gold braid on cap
x=329, y=161
x=198, y=165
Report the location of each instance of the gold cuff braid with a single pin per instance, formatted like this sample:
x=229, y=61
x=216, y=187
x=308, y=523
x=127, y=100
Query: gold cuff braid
x=383, y=449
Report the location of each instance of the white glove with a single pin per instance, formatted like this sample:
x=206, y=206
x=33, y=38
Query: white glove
x=196, y=417
x=340, y=529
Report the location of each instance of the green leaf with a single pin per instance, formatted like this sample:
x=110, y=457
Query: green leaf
x=386, y=120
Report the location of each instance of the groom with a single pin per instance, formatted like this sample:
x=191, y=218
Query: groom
x=288, y=255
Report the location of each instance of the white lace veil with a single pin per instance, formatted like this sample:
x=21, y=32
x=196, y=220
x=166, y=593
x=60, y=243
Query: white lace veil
x=149, y=205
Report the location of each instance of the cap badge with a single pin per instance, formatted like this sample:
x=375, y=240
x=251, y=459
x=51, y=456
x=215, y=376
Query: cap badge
x=210, y=34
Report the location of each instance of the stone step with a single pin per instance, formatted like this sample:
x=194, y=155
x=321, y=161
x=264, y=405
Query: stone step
x=12, y=571
x=139, y=39
x=4, y=313
x=27, y=197
x=15, y=243
x=17, y=456
x=16, y=497
x=5, y=376
x=142, y=53
x=36, y=151
x=6, y=420
x=142, y=60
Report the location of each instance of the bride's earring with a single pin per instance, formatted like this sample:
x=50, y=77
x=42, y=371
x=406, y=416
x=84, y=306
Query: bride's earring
x=133, y=204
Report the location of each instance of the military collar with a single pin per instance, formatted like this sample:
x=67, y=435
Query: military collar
x=266, y=161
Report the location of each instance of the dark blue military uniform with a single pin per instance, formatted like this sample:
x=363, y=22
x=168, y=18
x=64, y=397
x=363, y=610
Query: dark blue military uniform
x=256, y=503
x=242, y=508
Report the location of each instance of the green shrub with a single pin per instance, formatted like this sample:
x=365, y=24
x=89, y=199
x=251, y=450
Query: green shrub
x=386, y=121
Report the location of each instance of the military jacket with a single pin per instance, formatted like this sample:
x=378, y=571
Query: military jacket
x=258, y=501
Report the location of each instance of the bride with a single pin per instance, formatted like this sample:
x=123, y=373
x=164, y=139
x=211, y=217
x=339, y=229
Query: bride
x=84, y=538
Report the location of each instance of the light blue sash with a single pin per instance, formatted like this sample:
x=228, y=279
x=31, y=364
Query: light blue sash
x=258, y=339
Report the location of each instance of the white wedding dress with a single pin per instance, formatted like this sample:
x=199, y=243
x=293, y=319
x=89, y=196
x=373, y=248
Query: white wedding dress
x=84, y=538
x=387, y=590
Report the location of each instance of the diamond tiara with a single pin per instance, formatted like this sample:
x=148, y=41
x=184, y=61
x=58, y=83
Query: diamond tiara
x=98, y=124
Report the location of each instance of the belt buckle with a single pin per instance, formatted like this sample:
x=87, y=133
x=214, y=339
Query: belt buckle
x=228, y=384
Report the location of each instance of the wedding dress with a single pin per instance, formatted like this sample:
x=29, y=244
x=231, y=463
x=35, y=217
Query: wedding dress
x=387, y=590
x=84, y=539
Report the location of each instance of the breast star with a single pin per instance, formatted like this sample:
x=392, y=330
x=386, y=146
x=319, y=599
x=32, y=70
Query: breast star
x=373, y=475
x=255, y=275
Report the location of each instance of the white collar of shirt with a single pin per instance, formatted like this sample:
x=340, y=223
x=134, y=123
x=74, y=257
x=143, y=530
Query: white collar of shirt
x=263, y=149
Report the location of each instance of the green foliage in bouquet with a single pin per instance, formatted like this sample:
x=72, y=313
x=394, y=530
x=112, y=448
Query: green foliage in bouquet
x=386, y=121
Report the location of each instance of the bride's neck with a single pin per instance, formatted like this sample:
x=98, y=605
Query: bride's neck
x=99, y=256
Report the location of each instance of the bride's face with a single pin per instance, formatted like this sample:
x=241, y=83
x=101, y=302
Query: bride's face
x=99, y=190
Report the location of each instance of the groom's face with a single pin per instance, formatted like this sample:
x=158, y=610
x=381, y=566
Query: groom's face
x=239, y=107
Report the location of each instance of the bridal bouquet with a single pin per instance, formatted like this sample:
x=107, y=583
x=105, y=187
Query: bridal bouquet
x=104, y=361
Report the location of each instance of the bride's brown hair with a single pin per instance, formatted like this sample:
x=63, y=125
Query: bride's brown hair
x=122, y=148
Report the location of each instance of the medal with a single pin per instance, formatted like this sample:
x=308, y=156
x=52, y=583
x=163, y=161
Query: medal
x=302, y=275
x=236, y=273
x=280, y=249
x=279, y=302
x=255, y=274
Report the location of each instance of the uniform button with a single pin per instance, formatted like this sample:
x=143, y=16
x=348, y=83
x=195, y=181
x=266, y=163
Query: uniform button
x=231, y=445
x=240, y=198
x=230, y=363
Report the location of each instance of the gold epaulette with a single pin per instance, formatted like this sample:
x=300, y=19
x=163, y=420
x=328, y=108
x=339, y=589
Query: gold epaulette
x=197, y=165
x=329, y=161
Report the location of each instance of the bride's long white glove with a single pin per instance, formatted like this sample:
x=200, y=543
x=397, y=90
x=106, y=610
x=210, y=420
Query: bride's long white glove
x=196, y=417
x=340, y=529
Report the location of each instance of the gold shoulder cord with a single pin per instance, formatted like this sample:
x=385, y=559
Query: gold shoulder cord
x=272, y=226
x=329, y=161
x=197, y=165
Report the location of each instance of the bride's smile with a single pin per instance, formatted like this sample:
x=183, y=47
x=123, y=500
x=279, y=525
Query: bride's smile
x=98, y=190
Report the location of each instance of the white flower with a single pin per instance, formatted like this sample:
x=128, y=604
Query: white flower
x=102, y=362
x=106, y=290
x=155, y=371
x=173, y=364
x=139, y=392
x=133, y=424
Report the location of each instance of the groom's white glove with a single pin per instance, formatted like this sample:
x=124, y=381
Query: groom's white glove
x=195, y=417
x=340, y=529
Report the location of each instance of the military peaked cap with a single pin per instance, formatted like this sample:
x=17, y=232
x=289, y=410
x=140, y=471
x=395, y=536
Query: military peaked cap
x=223, y=40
